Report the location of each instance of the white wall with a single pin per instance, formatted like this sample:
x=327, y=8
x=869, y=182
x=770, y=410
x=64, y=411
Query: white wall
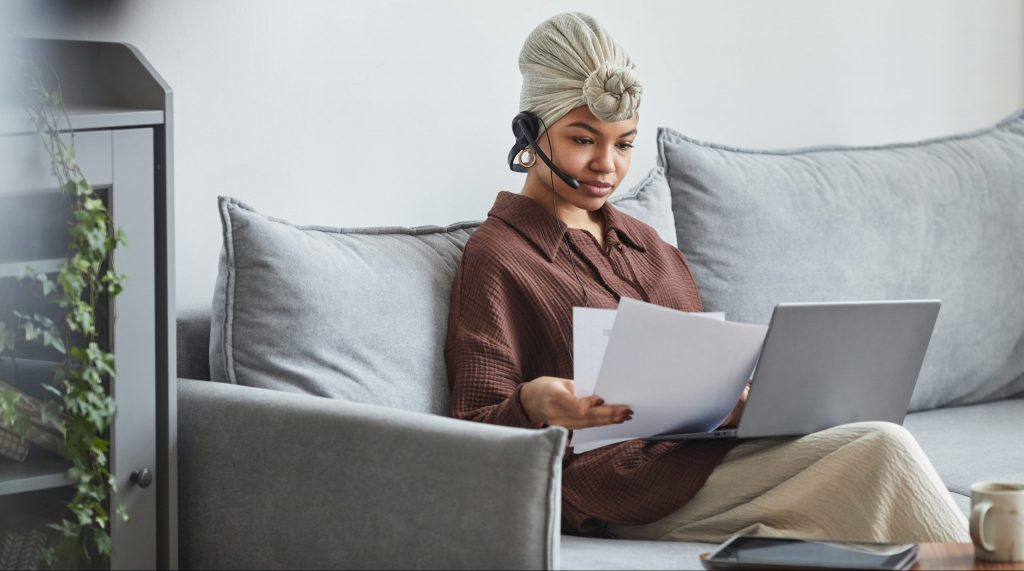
x=398, y=113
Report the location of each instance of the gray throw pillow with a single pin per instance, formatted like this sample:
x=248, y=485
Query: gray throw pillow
x=941, y=218
x=351, y=313
x=650, y=201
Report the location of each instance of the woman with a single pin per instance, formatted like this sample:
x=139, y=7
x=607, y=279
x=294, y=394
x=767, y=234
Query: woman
x=552, y=247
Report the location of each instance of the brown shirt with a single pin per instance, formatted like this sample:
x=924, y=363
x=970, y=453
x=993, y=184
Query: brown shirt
x=510, y=321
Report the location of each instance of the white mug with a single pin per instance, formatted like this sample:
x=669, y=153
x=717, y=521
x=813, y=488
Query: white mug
x=997, y=521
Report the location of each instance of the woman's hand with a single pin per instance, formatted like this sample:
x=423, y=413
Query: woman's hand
x=550, y=400
x=737, y=411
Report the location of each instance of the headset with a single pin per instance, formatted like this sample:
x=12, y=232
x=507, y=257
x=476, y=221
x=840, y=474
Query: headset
x=525, y=127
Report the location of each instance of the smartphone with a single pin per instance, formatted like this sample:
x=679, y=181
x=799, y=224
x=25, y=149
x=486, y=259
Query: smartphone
x=752, y=552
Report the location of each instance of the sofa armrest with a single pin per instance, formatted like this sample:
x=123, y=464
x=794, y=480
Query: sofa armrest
x=269, y=479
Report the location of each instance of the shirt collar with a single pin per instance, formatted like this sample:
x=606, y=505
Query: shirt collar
x=531, y=220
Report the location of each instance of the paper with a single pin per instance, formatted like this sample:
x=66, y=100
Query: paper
x=591, y=330
x=678, y=371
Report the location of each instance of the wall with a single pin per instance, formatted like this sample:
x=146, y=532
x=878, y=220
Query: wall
x=398, y=113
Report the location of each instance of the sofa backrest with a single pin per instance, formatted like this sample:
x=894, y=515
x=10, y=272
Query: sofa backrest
x=352, y=313
x=193, y=342
x=932, y=219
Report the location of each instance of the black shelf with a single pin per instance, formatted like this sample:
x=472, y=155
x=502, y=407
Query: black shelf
x=14, y=269
x=40, y=471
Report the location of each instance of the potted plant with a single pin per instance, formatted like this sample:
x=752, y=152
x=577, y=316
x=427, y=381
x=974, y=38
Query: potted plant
x=80, y=409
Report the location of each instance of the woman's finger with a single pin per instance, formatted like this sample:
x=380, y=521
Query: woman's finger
x=590, y=418
x=611, y=409
x=608, y=415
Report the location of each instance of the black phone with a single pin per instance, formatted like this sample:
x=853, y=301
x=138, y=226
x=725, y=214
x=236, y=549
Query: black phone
x=752, y=552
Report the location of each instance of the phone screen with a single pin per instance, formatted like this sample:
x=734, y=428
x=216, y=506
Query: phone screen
x=799, y=552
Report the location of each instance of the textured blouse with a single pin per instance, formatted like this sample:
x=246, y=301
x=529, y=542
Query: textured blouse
x=510, y=321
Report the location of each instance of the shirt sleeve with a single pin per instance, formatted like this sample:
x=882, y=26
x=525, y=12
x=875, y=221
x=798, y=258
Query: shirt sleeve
x=481, y=353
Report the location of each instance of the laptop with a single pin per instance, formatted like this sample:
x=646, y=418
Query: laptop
x=832, y=363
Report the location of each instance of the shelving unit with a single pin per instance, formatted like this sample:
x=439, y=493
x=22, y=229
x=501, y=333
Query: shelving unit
x=119, y=109
x=38, y=472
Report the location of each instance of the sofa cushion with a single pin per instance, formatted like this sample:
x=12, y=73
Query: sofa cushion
x=193, y=342
x=650, y=201
x=351, y=313
x=939, y=218
x=969, y=444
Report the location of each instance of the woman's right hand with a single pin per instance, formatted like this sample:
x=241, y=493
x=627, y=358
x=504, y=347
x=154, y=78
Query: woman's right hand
x=551, y=400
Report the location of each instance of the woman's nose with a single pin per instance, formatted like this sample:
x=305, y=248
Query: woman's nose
x=604, y=160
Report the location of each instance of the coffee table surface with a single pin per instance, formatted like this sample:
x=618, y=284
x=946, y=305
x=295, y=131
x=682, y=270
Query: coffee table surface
x=951, y=556
x=956, y=556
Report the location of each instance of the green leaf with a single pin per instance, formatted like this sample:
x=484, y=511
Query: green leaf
x=8, y=338
x=51, y=340
x=78, y=353
x=103, y=543
x=9, y=407
x=10, y=417
x=31, y=331
x=54, y=390
x=84, y=518
x=51, y=414
x=47, y=285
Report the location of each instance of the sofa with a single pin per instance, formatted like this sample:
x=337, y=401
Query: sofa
x=312, y=396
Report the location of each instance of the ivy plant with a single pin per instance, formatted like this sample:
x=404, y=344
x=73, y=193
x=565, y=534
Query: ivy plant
x=80, y=408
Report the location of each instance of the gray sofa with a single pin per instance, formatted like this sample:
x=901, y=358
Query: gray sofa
x=314, y=466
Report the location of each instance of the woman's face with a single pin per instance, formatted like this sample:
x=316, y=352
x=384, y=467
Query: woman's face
x=587, y=149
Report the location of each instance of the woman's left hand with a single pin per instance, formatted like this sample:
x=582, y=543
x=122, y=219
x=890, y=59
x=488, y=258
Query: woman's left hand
x=734, y=417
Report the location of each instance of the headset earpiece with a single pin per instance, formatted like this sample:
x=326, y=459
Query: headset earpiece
x=526, y=127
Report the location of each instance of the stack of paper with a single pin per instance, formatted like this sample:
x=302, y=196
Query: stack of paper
x=678, y=371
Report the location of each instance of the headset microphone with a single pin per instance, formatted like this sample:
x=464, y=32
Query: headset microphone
x=526, y=126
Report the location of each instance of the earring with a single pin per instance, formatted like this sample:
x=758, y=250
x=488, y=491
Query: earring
x=526, y=158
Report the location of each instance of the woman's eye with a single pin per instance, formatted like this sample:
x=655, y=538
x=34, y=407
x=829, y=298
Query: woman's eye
x=582, y=141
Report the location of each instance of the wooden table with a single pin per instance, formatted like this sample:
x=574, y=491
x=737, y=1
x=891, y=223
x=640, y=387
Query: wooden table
x=956, y=556
x=951, y=556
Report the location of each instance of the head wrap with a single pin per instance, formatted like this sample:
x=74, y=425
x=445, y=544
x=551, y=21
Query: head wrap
x=569, y=60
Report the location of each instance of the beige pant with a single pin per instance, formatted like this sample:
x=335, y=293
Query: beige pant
x=866, y=481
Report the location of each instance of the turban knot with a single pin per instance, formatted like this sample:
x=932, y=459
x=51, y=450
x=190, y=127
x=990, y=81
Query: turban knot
x=612, y=92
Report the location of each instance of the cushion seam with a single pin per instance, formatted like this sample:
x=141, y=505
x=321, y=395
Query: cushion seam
x=665, y=133
x=229, y=297
x=554, y=502
x=402, y=230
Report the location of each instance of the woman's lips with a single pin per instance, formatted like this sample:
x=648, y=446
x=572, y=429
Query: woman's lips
x=595, y=189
